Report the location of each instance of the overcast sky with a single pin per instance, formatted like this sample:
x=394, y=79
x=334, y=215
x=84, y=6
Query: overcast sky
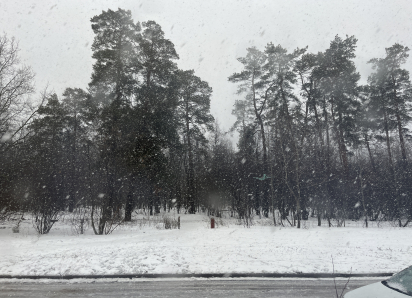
x=55, y=35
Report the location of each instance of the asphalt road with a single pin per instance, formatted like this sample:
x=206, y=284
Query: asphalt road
x=200, y=288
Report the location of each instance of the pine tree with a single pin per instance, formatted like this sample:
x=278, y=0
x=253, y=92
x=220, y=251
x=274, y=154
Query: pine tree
x=194, y=114
x=390, y=93
x=152, y=128
x=113, y=81
x=47, y=164
x=252, y=83
x=339, y=84
x=392, y=88
x=281, y=75
x=114, y=48
x=77, y=104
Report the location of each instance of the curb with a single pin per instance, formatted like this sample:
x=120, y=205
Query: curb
x=201, y=275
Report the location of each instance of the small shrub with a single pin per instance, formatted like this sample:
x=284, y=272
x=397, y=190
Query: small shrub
x=154, y=221
x=170, y=223
x=264, y=222
x=219, y=222
x=79, y=220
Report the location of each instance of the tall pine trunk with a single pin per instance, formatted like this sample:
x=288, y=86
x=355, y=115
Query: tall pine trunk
x=190, y=172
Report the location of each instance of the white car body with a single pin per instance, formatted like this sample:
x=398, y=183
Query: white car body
x=375, y=290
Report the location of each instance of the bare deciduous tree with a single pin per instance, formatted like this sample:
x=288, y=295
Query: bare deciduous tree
x=16, y=86
x=16, y=111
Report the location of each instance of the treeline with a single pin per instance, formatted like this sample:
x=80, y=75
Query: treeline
x=131, y=140
x=331, y=147
x=312, y=140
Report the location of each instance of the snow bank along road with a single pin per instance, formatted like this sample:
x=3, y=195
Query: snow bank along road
x=195, y=248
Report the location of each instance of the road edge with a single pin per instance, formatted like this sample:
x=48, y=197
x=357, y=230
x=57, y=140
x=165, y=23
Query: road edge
x=200, y=275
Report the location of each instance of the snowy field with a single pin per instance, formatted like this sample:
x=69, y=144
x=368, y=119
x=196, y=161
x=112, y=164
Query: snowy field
x=143, y=247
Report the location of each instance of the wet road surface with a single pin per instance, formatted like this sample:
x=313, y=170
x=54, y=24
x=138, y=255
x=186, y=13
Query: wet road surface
x=199, y=288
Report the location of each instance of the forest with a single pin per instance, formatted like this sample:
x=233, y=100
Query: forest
x=313, y=141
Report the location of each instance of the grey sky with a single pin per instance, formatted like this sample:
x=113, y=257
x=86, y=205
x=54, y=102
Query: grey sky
x=55, y=36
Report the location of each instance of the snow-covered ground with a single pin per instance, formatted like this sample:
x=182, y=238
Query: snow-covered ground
x=136, y=248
